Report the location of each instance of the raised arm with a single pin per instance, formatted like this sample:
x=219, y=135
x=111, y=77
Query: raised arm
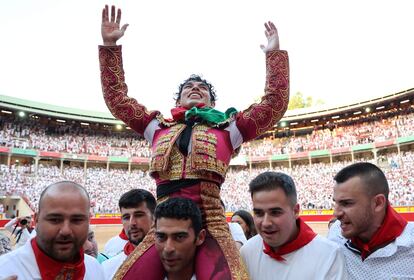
x=113, y=83
x=261, y=117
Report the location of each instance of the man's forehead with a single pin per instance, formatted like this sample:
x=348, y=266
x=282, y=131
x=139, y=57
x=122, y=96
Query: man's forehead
x=64, y=204
x=140, y=208
x=170, y=225
x=192, y=82
x=351, y=187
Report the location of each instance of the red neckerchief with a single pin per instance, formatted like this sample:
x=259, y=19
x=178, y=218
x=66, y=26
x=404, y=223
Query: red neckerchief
x=51, y=269
x=178, y=113
x=392, y=227
x=305, y=235
x=123, y=235
x=128, y=248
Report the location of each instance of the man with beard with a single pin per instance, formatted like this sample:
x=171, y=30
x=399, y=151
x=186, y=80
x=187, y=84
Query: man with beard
x=285, y=246
x=178, y=233
x=377, y=242
x=62, y=223
x=137, y=209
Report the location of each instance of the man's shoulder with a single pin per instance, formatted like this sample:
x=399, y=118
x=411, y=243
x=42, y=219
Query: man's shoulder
x=20, y=254
x=406, y=238
x=322, y=245
x=114, y=245
x=114, y=260
x=20, y=261
x=334, y=234
x=253, y=244
x=93, y=268
x=113, y=239
x=111, y=265
x=90, y=261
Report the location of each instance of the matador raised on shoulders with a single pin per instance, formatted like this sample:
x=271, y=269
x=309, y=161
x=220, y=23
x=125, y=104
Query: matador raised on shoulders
x=191, y=153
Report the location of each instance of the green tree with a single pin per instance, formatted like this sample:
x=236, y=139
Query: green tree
x=298, y=100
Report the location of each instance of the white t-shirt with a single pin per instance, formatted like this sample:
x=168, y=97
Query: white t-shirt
x=22, y=262
x=110, y=266
x=114, y=246
x=237, y=233
x=319, y=259
x=394, y=261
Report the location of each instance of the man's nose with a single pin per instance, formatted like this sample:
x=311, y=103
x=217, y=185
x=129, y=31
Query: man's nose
x=66, y=228
x=169, y=246
x=337, y=211
x=133, y=220
x=266, y=220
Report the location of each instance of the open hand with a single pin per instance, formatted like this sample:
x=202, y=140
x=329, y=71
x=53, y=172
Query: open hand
x=272, y=37
x=110, y=28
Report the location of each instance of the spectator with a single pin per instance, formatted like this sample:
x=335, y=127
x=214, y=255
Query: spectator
x=137, y=208
x=245, y=220
x=21, y=228
x=62, y=227
x=377, y=242
x=286, y=248
x=178, y=233
x=90, y=247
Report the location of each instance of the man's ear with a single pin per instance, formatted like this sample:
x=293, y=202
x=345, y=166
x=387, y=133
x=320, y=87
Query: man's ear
x=36, y=217
x=380, y=202
x=201, y=237
x=296, y=210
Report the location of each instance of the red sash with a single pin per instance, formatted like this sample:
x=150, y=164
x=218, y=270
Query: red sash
x=392, y=227
x=178, y=113
x=128, y=248
x=51, y=269
x=123, y=235
x=305, y=235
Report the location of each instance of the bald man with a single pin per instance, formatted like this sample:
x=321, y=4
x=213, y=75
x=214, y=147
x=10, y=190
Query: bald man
x=62, y=223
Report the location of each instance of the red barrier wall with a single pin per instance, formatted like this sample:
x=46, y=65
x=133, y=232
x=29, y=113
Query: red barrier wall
x=307, y=218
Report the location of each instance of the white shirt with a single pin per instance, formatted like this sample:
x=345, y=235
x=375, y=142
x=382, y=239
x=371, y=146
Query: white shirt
x=319, y=259
x=237, y=233
x=111, y=265
x=25, y=233
x=394, y=261
x=22, y=262
x=114, y=246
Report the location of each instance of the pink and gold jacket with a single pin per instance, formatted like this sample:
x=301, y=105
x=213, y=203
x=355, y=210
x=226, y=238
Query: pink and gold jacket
x=211, y=147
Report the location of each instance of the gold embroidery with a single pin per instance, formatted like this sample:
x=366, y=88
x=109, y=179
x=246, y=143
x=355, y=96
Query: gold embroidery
x=201, y=163
x=217, y=226
x=274, y=103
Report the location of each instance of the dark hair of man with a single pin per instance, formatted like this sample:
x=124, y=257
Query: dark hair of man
x=373, y=178
x=270, y=180
x=181, y=209
x=248, y=219
x=66, y=183
x=196, y=78
x=135, y=197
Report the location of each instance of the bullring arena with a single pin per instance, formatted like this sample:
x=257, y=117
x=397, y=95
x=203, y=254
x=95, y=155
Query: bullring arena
x=41, y=143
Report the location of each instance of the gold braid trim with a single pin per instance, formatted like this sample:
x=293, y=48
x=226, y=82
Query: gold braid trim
x=217, y=226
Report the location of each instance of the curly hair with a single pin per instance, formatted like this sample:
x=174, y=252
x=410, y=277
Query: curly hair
x=196, y=78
